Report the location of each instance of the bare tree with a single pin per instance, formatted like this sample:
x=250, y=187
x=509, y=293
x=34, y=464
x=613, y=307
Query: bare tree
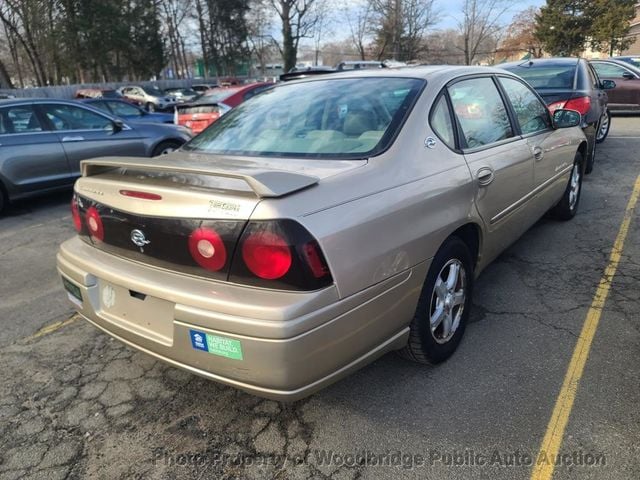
x=401, y=26
x=323, y=20
x=358, y=18
x=260, y=40
x=298, y=21
x=174, y=14
x=480, y=25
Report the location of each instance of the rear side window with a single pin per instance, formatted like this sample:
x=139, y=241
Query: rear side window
x=441, y=122
x=532, y=114
x=480, y=111
x=547, y=76
x=19, y=119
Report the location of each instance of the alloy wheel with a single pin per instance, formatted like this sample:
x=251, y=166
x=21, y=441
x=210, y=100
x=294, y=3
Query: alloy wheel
x=447, y=301
x=604, y=126
x=574, y=188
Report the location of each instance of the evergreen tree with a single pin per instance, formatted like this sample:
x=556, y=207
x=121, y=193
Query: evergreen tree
x=611, y=24
x=563, y=26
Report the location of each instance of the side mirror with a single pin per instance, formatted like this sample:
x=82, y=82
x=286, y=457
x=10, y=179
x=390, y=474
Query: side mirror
x=566, y=118
x=118, y=126
x=628, y=76
x=608, y=84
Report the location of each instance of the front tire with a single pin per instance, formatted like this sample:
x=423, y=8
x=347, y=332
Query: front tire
x=151, y=107
x=603, y=127
x=443, y=308
x=567, y=208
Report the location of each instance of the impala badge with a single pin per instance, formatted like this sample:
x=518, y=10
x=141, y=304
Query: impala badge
x=138, y=238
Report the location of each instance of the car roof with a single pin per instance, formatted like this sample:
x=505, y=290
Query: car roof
x=533, y=62
x=424, y=72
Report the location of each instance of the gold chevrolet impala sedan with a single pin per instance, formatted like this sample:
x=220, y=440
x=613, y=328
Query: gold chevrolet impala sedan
x=320, y=224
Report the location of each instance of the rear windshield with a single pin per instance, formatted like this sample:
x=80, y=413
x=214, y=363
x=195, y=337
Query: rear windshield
x=337, y=118
x=543, y=77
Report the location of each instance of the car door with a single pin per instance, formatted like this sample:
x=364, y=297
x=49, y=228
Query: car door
x=31, y=157
x=626, y=95
x=501, y=162
x=551, y=151
x=85, y=134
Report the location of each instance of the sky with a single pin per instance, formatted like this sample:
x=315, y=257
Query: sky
x=449, y=10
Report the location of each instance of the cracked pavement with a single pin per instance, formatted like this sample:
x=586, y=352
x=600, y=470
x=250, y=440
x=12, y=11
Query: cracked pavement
x=76, y=404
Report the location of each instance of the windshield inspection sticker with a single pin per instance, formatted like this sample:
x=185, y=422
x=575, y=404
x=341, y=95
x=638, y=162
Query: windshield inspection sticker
x=221, y=346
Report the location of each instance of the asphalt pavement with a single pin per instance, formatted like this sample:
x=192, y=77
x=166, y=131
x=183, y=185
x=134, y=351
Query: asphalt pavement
x=76, y=404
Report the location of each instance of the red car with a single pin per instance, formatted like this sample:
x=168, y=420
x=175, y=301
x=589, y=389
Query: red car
x=201, y=113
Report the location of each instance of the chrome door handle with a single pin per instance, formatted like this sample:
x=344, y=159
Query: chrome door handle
x=538, y=153
x=485, y=176
x=72, y=139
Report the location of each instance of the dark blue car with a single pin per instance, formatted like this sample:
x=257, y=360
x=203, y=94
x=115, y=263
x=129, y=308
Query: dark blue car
x=127, y=111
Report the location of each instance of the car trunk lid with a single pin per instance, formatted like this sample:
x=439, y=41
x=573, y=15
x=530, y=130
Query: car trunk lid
x=149, y=209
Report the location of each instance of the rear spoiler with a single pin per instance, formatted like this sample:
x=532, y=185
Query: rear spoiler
x=264, y=183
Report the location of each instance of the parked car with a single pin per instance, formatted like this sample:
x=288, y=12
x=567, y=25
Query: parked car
x=151, y=98
x=573, y=84
x=203, y=87
x=127, y=111
x=631, y=60
x=320, y=224
x=359, y=65
x=98, y=93
x=298, y=73
x=626, y=95
x=43, y=141
x=207, y=109
x=182, y=94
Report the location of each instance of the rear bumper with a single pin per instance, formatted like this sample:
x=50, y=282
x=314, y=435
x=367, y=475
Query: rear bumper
x=291, y=344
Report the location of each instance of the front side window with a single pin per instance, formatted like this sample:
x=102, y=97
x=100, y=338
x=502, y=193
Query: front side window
x=532, y=114
x=609, y=70
x=19, y=119
x=480, y=111
x=69, y=117
x=329, y=118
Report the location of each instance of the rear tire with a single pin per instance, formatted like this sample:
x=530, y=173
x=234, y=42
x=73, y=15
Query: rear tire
x=163, y=148
x=150, y=107
x=567, y=207
x=603, y=127
x=591, y=160
x=443, y=308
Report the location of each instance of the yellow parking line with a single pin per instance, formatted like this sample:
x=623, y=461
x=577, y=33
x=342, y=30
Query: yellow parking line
x=545, y=461
x=52, y=328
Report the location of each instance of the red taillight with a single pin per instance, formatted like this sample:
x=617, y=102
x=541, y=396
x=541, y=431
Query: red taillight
x=94, y=224
x=267, y=255
x=141, y=195
x=581, y=105
x=207, y=249
x=75, y=214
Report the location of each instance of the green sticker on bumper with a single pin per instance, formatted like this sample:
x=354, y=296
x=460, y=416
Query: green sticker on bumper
x=225, y=347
